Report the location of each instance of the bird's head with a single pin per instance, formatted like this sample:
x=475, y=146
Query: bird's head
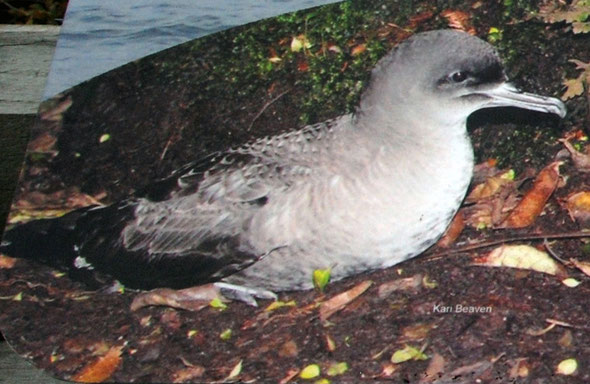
x=447, y=75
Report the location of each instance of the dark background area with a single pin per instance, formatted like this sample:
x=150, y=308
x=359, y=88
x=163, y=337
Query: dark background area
x=32, y=11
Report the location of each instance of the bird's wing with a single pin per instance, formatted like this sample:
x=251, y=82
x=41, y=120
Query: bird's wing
x=189, y=228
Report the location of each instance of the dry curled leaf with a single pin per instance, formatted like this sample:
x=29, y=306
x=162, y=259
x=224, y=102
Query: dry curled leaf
x=7, y=262
x=520, y=368
x=358, y=49
x=415, y=332
x=466, y=374
x=55, y=113
x=521, y=257
x=435, y=369
x=459, y=20
x=188, y=374
x=405, y=284
x=338, y=302
x=575, y=87
x=583, y=266
x=101, y=369
x=494, y=196
x=44, y=143
x=533, y=202
x=289, y=376
x=419, y=19
x=581, y=159
x=235, y=372
x=491, y=186
x=453, y=231
x=299, y=43
x=576, y=13
x=192, y=299
x=578, y=206
x=388, y=370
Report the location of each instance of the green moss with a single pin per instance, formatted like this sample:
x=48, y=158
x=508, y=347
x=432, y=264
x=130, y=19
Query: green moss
x=517, y=9
x=330, y=79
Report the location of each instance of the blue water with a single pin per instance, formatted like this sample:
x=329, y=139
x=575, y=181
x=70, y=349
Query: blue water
x=98, y=36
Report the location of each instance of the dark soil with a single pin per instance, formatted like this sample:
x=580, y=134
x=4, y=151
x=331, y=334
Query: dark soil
x=136, y=124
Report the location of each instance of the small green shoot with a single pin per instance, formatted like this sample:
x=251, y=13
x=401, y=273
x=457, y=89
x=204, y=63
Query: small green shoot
x=408, y=353
x=103, y=138
x=321, y=278
x=226, y=335
x=280, y=304
x=218, y=304
x=337, y=369
x=310, y=372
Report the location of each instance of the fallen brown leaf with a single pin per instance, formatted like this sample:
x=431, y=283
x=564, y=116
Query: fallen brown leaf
x=358, y=49
x=435, y=369
x=289, y=376
x=533, y=202
x=459, y=20
x=491, y=186
x=521, y=257
x=191, y=299
x=289, y=349
x=188, y=374
x=420, y=18
x=453, y=231
x=330, y=343
x=56, y=113
x=101, y=369
x=303, y=66
x=7, y=262
x=581, y=159
x=494, y=196
x=484, y=170
x=465, y=374
x=338, y=302
x=388, y=370
x=408, y=283
x=583, y=266
x=44, y=143
x=520, y=368
x=492, y=211
x=416, y=332
x=566, y=340
x=575, y=87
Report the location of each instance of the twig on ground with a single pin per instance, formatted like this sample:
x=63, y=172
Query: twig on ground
x=264, y=107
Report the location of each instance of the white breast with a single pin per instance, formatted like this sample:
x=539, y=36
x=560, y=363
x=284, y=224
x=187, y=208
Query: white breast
x=394, y=209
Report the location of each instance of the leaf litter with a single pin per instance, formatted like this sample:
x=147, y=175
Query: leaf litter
x=371, y=324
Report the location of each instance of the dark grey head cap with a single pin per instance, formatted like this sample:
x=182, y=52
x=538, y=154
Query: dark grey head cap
x=433, y=57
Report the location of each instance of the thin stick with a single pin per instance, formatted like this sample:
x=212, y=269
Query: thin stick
x=268, y=104
x=524, y=237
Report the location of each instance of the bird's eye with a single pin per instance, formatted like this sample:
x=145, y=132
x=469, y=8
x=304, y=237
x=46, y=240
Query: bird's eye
x=458, y=77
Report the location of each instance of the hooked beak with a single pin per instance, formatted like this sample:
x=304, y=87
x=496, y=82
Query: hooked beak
x=506, y=95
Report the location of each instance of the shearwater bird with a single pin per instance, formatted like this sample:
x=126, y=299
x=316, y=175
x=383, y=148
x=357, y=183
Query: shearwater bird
x=360, y=192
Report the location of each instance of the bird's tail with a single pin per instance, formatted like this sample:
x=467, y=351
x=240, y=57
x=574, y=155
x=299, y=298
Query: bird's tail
x=49, y=241
x=56, y=242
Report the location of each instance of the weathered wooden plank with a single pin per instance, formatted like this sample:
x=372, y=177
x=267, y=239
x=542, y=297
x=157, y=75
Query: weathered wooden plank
x=25, y=58
x=16, y=370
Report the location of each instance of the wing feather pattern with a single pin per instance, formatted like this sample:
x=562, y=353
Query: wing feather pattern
x=188, y=229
